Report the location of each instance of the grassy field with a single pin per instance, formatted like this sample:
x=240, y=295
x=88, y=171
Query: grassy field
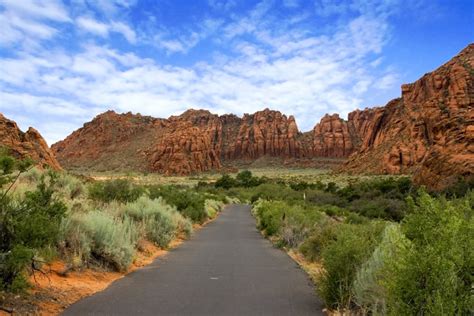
x=310, y=175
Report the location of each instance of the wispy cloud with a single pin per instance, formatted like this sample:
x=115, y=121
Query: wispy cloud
x=260, y=60
x=93, y=26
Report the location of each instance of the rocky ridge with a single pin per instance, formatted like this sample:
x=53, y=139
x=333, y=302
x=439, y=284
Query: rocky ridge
x=26, y=144
x=427, y=132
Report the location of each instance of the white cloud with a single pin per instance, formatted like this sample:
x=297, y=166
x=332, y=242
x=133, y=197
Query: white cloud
x=26, y=22
x=272, y=64
x=39, y=9
x=93, y=26
x=125, y=30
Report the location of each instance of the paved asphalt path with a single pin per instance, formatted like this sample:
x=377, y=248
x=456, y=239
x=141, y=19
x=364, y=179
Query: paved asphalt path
x=227, y=268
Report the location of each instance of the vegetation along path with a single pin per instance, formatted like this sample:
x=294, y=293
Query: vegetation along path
x=227, y=268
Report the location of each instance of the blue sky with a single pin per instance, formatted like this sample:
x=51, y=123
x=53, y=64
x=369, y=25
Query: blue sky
x=62, y=63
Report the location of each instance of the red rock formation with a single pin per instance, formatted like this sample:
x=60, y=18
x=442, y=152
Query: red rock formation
x=265, y=133
x=109, y=142
x=30, y=144
x=332, y=138
x=199, y=141
x=428, y=131
x=190, y=144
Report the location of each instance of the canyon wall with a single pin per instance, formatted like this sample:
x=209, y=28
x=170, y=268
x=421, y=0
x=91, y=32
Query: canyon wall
x=427, y=132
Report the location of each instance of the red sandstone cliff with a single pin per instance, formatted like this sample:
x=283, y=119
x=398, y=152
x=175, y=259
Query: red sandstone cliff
x=428, y=131
x=110, y=142
x=30, y=144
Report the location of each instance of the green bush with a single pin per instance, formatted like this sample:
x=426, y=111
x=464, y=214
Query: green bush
x=213, y=207
x=26, y=225
x=379, y=207
x=342, y=257
x=225, y=182
x=369, y=292
x=121, y=190
x=269, y=216
x=434, y=276
x=71, y=186
x=298, y=224
x=158, y=221
x=99, y=237
x=243, y=179
x=322, y=235
x=188, y=202
x=273, y=191
x=292, y=224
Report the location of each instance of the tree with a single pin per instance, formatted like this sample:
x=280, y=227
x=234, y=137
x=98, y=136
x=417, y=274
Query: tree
x=26, y=224
x=225, y=182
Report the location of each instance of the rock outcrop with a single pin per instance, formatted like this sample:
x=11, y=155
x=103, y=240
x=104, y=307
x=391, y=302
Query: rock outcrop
x=110, y=142
x=189, y=143
x=332, y=137
x=427, y=132
x=22, y=145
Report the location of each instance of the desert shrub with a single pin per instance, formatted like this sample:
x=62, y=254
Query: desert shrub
x=298, y=223
x=369, y=291
x=71, y=186
x=225, y=182
x=434, y=276
x=342, y=257
x=331, y=187
x=318, y=197
x=291, y=223
x=273, y=191
x=31, y=175
x=155, y=219
x=121, y=190
x=213, y=207
x=394, y=188
x=247, y=180
x=242, y=179
x=269, y=215
x=322, y=235
x=379, y=207
x=459, y=188
x=188, y=202
x=231, y=200
x=27, y=224
x=98, y=236
x=303, y=185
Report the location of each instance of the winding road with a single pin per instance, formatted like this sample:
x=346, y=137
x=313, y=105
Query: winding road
x=227, y=268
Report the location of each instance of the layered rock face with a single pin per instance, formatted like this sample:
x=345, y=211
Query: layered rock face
x=332, y=137
x=265, y=133
x=199, y=141
x=194, y=141
x=428, y=131
x=22, y=145
x=189, y=143
x=110, y=142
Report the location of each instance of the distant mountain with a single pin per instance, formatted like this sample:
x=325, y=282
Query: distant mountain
x=197, y=141
x=428, y=132
x=30, y=144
